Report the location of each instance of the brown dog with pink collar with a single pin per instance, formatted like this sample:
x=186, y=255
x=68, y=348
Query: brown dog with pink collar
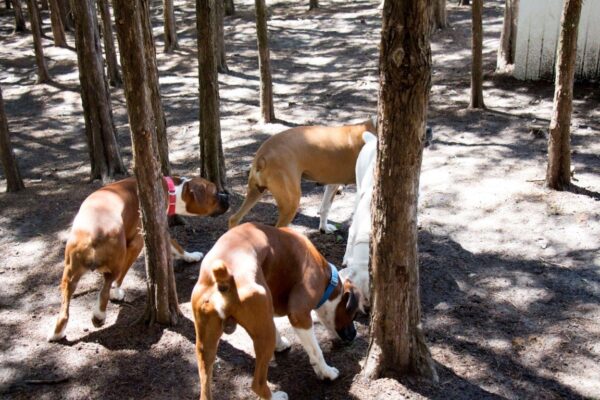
x=256, y=272
x=105, y=236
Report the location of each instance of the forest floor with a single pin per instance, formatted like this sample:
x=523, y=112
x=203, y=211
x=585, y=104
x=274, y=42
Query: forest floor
x=510, y=271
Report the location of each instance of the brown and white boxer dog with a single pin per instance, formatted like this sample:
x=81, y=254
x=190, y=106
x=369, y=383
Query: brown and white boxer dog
x=323, y=154
x=256, y=272
x=105, y=236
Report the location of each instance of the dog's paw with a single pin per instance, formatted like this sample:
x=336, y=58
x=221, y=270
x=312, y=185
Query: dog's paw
x=282, y=344
x=117, y=294
x=328, y=228
x=328, y=372
x=279, y=396
x=55, y=337
x=98, y=318
x=192, y=257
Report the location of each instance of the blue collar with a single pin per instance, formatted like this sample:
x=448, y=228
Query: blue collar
x=333, y=282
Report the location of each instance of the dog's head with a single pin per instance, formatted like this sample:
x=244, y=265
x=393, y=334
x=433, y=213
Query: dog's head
x=338, y=314
x=202, y=198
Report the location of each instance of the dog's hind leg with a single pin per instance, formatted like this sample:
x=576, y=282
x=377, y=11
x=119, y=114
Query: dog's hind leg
x=209, y=328
x=330, y=191
x=71, y=275
x=287, y=195
x=133, y=251
x=253, y=194
x=99, y=315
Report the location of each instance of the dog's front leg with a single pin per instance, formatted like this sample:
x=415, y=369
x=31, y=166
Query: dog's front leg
x=311, y=346
x=180, y=254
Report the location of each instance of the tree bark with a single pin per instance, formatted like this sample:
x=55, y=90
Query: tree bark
x=161, y=305
x=313, y=4
x=19, y=18
x=14, y=183
x=264, y=62
x=220, y=41
x=508, y=37
x=66, y=15
x=170, y=28
x=558, y=172
x=229, y=7
x=160, y=121
x=58, y=30
x=95, y=96
x=114, y=75
x=477, y=56
x=211, y=149
x=438, y=15
x=397, y=345
x=42, y=69
x=44, y=5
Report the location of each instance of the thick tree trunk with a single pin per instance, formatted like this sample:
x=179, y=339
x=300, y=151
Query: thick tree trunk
x=438, y=15
x=160, y=120
x=313, y=4
x=229, y=7
x=211, y=148
x=477, y=56
x=19, y=18
x=14, y=183
x=114, y=75
x=397, y=345
x=264, y=62
x=161, y=305
x=508, y=37
x=170, y=28
x=95, y=96
x=220, y=41
x=42, y=69
x=558, y=173
x=58, y=30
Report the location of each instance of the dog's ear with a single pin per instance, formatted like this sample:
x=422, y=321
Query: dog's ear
x=351, y=297
x=197, y=190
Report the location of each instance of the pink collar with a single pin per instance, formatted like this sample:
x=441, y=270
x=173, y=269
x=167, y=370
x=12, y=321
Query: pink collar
x=172, y=196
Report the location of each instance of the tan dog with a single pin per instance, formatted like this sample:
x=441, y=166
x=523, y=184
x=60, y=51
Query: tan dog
x=256, y=272
x=323, y=154
x=105, y=236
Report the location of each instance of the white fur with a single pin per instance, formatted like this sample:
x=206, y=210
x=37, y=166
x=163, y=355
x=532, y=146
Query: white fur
x=180, y=206
x=218, y=301
x=311, y=346
x=116, y=293
x=356, y=257
x=326, y=314
x=55, y=337
x=99, y=314
x=278, y=396
x=330, y=191
x=281, y=342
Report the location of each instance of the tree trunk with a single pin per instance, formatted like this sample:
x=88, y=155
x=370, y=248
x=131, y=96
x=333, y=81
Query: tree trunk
x=438, y=15
x=464, y=2
x=170, y=29
x=66, y=15
x=14, y=183
x=160, y=120
x=7, y=4
x=264, y=63
x=508, y=37
x=313, y=4
x=114, y=76
x=95, y=96
x=58, y=30
x=161, y=305
x=42, y=69
x=19, y=18
x=229, y=7
x=558, y=173
x=477, y=56
x=211, y=148
x=397, y=345
x=220, y=40
x=44, y=5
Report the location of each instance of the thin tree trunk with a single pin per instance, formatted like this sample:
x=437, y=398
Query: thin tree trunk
x=66, y=15
x=508, y=37
x=477, y=56
x=170, y=28
x=42, y=69
x=160, y=120
x=264, y=63
x=211, y=148
x=7, y=4
x=220, y=42
x=229, y=7
x=58, y=30
x=397, y=345
x=161, y=304
x=313, y=4
x=95, y=96
x=14, y=183
x=464, y=2
x=114, y=75
x=19, y=18
x=44, y=4
x=438, y=15
x=558, y=172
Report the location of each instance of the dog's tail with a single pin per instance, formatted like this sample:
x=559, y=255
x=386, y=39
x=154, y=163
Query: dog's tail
x=221, y=276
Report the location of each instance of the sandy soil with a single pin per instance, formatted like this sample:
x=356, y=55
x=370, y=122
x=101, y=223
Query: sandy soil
x=509, y=270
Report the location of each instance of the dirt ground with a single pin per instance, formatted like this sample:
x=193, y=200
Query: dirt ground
x=510, y=271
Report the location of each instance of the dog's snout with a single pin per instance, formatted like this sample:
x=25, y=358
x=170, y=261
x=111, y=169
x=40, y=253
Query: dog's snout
x=223, y=200
x=348, y=333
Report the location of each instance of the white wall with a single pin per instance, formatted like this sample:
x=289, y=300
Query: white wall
x=538, y=29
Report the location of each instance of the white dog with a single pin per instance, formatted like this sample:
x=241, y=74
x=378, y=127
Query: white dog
x=359, y=236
